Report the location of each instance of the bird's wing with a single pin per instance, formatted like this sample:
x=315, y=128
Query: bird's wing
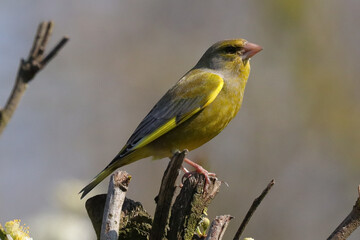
x=191, y=94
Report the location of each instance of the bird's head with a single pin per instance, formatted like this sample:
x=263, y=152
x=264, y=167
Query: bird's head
x=229, y=54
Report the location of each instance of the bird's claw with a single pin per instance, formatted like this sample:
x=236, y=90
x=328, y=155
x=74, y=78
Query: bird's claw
x=199, y=169
x=204, y=172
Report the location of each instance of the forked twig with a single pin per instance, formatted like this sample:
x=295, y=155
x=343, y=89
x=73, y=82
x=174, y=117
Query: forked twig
x=29, y=68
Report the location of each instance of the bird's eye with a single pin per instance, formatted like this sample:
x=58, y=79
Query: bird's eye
x=231, y=49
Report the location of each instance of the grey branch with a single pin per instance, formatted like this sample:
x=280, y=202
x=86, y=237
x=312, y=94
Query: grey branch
x=29, y=68
x=252, y=209
x=135, y=222
x=166, y=193
x=189, y=206
x=118, y=186
x=218, y=227
x=350, y=223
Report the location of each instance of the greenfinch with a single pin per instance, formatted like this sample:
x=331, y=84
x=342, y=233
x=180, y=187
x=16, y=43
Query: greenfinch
x=196, y=109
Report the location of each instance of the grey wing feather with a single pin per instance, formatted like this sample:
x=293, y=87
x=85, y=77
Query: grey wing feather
x=165, y=109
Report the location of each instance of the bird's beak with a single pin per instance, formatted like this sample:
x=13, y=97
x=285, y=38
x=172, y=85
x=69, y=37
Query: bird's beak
x=249, y=50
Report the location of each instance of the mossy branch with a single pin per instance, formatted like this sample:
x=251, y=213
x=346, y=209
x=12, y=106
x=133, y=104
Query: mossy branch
x=190, y=205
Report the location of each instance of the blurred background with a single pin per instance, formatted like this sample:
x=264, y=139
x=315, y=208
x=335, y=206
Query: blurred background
x=299, y=123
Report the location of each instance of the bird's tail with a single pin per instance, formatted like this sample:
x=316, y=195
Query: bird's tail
x=114, y=164
x=96, y=180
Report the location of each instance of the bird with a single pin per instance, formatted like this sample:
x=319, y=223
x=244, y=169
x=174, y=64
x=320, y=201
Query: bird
x=192, y=112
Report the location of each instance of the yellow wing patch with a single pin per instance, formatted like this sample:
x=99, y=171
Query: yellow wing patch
x=157, y=133
x=195, y=84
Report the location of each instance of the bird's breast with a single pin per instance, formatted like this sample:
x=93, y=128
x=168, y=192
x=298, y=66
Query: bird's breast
x=206, y=124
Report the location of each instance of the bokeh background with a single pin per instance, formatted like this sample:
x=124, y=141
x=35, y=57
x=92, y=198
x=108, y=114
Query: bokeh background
x=299, y=123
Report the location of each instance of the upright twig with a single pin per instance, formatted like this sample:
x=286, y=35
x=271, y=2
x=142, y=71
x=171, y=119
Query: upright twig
x=165, y=196
x=252, y=209
x=350, y=223
x=218, y=227
x=118, y=186
x=28, y=68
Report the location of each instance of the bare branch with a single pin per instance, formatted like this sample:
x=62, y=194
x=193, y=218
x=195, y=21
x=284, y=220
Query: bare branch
x=252, y=209
x=165, y=196
x=54, y=51
x=29, y=68
x=218, y=227
x=118, y=186
x=350, y=223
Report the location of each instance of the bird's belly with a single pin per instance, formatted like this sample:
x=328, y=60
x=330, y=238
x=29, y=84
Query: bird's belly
x=199, y=129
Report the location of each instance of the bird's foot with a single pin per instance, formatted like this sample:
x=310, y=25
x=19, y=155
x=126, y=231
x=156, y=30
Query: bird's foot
x=198, y=169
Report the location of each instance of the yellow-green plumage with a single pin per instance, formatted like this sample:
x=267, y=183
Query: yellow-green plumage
x=196, y=109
